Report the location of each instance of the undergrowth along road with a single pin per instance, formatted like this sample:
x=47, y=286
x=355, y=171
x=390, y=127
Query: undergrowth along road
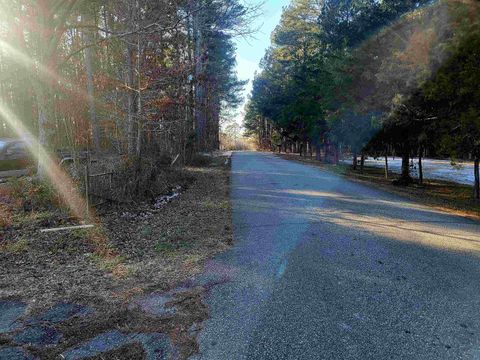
x=156, y=247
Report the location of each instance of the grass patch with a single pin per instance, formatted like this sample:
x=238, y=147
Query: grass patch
x=209, y=204
x=147, y=231
x=6, y=218
x=15, y=247
x=83, y=233
x=107, y=263
x=39, y=218
x=200, y=160
x=34, y=195
x=170, y=248
x=6, y=165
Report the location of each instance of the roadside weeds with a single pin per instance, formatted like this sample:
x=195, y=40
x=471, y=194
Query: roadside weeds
x=146, y=255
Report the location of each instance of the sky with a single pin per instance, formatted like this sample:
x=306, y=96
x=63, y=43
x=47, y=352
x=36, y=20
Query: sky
x=250, y=51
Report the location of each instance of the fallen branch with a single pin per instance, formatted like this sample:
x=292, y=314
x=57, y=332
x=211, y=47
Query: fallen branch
x=175, y=160
x=67, y=228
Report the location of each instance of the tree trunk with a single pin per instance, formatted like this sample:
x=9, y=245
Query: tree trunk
x=191, y=126
x=200, y=103
x=44, y=127
x=405, y=177
x=336, y=155
x=90, y=92
x=139, y=91
x=355, y=161
x=386, y=166
x=362, y=163
x=138, y=149
x=476, y=186
x=420, y=167
x=130, y=102
x=42, y=138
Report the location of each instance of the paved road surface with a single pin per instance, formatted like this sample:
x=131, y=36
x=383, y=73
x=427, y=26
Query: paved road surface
x=325, y=268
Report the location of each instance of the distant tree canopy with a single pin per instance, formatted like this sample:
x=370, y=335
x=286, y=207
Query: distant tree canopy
x=372, y=76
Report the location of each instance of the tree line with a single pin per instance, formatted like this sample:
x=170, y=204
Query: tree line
x=123, y=76
x=373, y=78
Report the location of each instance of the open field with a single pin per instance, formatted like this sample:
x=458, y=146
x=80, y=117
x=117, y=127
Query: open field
x=443, y=194
x=460, y=172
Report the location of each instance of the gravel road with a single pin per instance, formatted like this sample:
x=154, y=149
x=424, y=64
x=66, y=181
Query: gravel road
x=326, y=268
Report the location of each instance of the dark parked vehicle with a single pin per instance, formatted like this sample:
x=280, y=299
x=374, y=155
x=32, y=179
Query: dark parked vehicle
x=14, y=155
